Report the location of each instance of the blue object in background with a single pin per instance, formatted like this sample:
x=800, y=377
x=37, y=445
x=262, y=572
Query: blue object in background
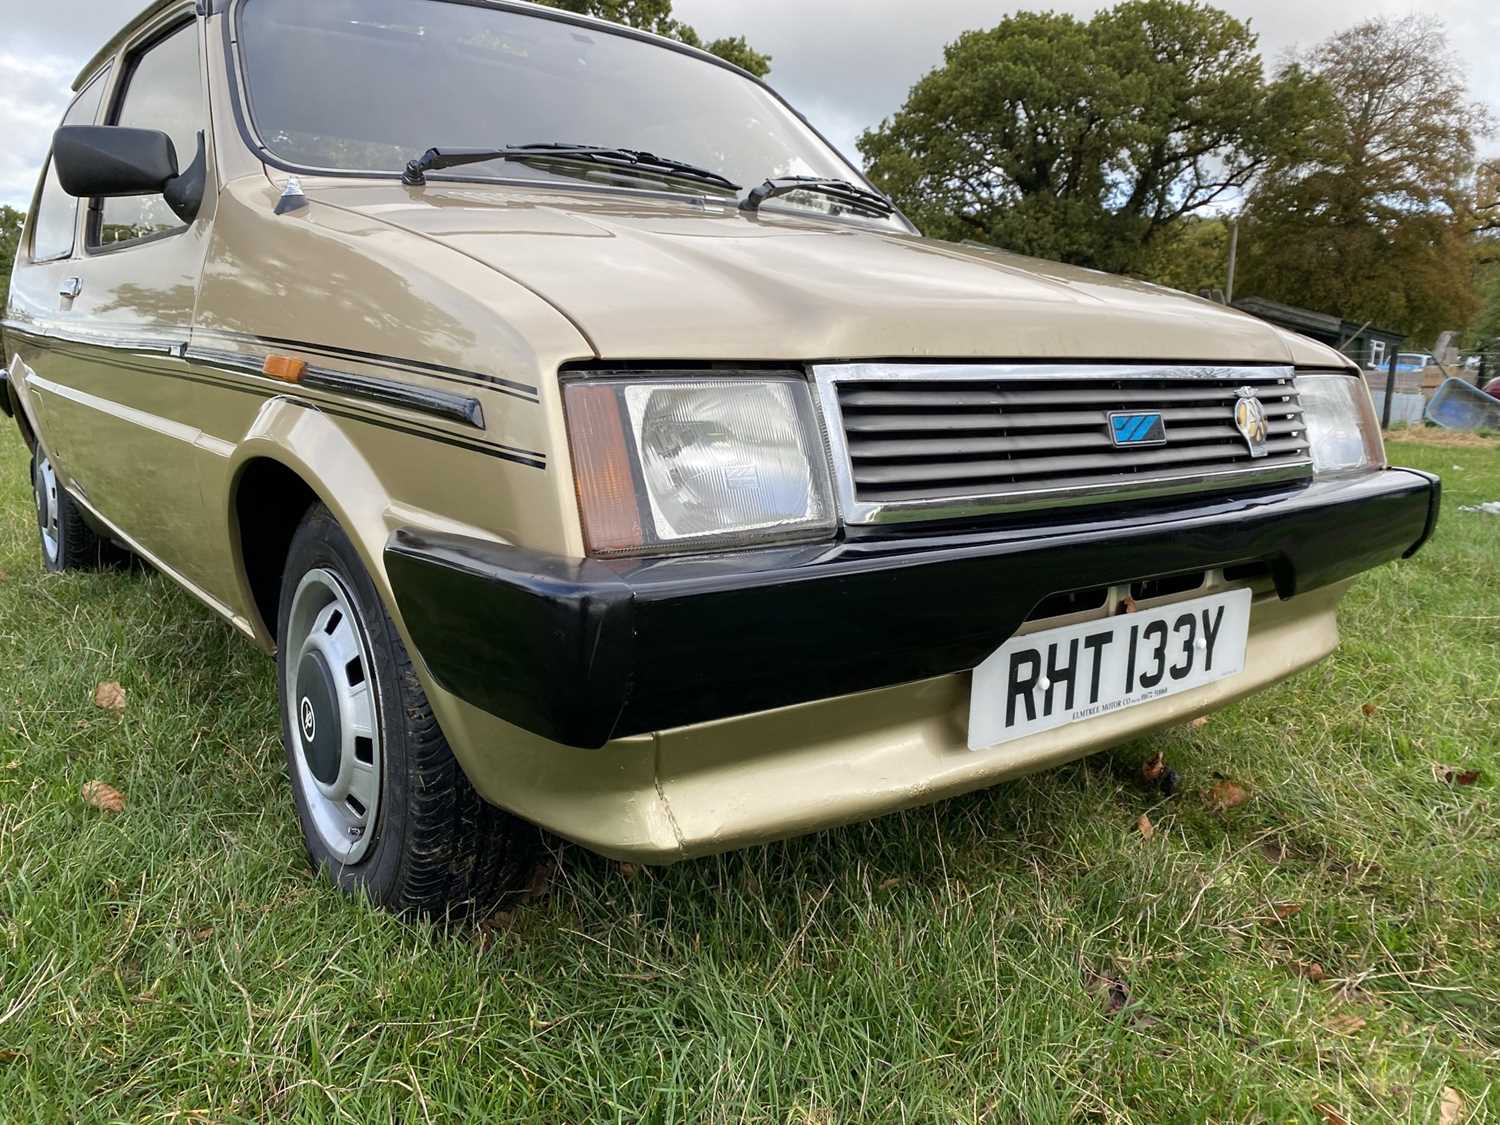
x=1458, y=405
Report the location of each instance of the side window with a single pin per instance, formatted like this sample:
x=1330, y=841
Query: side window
x=162, y=91
x=56, y=210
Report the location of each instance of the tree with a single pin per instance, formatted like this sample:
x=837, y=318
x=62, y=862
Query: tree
x=1484, y=333
x=1372, y=218
x=1487, y=196
x=1192, y=255
x=656, y=16
x=10, y=240
x=1084, y=141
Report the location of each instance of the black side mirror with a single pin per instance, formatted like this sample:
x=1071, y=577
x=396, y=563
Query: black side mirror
x=109, y=161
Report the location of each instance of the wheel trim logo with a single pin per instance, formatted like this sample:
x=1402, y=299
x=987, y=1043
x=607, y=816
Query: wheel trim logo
x=308, y=718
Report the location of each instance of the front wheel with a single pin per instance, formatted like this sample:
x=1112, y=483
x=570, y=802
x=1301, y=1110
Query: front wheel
x=385, y=807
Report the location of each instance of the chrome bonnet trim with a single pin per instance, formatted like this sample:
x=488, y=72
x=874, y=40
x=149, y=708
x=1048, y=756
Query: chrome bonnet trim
x=856, y=512
x=875, y=372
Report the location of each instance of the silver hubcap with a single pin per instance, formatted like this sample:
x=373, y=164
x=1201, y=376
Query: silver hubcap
x=45, y=486
x=333, y=716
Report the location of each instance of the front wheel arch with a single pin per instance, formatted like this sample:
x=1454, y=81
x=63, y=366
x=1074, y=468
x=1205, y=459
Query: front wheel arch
x=292, y=456
x=268, y=504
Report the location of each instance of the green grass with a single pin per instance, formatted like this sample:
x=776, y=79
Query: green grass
x=177, y=961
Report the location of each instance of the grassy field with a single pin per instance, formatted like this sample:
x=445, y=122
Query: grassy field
x=1327, y=951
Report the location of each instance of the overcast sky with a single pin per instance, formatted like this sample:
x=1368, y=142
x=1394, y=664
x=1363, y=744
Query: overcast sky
x=845, y=63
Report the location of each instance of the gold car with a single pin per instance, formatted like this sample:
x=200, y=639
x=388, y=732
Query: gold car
x=636, y=470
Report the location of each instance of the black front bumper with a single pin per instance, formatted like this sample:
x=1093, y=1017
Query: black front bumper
x=583, y=651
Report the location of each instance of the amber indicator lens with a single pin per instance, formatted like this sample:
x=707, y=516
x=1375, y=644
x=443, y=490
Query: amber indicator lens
x=601, y=468
x=285, y=368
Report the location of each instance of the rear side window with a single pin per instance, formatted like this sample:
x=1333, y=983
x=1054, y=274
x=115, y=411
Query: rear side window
x=163, y=91
x=56, y=210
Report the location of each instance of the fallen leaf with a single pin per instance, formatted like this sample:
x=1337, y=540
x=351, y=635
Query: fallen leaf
x=1330, y=1115
x=105, y=797
x=110, y=697
x=1369, y=709
x=1127, y=604
x=629, y=870
x=1345, y=1025
x=1227, y=795
x=1454, y=775
x=8, y=1056
x=1147, y=829
x=889, y=884
x=1153, y=769
x=1109, y=991
x=1450, y=1107
x=1272, y=850
x=1309, y=969
x=1286, y=910
x=4, y=577
x=485, y=933
x=1200, y=722
x=203, y=933
x=540, y=880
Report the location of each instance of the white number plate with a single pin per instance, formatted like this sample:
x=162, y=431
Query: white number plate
x=1044, y=680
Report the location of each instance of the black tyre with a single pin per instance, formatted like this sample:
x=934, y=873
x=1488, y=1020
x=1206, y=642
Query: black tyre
x=385, y=807
x=67, y=542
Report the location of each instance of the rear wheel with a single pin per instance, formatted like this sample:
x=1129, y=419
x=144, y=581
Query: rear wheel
x=67, y=542
x=385, y=807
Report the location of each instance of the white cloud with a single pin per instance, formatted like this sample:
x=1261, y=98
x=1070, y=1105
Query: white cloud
x=35, y=93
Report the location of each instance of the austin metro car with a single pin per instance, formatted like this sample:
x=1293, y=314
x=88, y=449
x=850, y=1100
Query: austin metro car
x=595, y=448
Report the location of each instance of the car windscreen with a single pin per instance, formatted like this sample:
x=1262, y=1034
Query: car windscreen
x=367, y=85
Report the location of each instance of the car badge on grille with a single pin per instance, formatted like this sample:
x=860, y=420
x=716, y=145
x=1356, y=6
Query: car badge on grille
x=1132, y=430
x=1250, y=420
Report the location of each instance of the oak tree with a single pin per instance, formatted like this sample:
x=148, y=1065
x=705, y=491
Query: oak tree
x=1083, y=141
x=1372, y=217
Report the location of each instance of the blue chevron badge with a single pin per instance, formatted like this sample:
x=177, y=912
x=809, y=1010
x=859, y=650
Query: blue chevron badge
x=1130, y=431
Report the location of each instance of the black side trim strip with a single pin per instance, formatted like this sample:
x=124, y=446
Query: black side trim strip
x=377, y=359
x=530, y=460
x=440, y=404
x=274, y=389
x=143, y=344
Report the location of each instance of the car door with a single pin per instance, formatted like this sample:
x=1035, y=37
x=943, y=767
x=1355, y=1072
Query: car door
x=134, y=404
x=40, y=307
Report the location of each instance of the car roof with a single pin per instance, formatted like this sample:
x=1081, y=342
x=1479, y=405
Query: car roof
x=209, y=7
x=104, y=53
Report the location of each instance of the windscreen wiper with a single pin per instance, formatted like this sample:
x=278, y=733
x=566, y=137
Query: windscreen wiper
x=856, y=198
x=621, y=159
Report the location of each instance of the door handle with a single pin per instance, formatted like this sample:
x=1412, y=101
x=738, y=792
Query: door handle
x=71, y=288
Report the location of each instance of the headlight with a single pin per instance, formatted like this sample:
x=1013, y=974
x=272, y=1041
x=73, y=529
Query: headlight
x=1341, y=424
x=675, y=465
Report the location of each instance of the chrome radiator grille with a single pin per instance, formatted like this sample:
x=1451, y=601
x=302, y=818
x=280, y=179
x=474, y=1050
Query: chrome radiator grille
x=922, y=441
